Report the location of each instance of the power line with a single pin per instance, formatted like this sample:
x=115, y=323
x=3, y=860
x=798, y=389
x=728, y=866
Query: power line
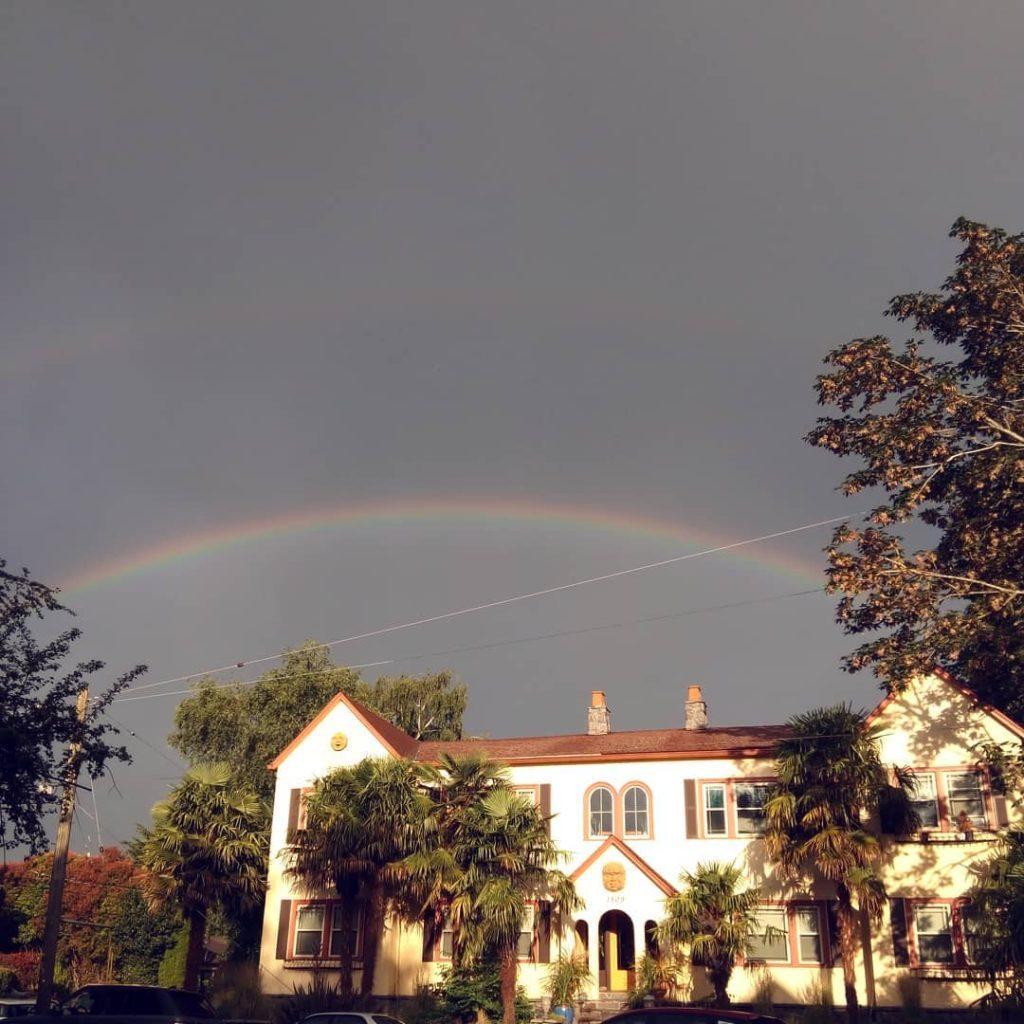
x=490, y=646
x=617, y=574
x=178, y=766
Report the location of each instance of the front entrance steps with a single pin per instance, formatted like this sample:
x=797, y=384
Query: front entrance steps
x=607, y=1004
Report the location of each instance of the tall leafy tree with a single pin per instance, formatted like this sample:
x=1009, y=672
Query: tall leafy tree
x=361, y=821
x=935, y=574
x=38, y=691
x=247, y=726
x=714, y=918
x=206, y=848
x=831, y=786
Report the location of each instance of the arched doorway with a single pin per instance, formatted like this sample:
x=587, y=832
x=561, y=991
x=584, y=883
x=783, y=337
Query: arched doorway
x=616, y=953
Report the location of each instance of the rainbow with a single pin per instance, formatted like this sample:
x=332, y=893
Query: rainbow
x=427, y=511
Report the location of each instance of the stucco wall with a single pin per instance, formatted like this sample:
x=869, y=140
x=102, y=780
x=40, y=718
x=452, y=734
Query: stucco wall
x=932, y=724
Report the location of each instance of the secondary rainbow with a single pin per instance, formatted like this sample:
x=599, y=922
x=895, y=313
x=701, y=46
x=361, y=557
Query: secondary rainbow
x=426, y=511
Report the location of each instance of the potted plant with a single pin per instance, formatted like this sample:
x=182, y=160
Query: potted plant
x=567, y=977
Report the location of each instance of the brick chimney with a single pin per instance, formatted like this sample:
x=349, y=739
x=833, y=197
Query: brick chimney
x=696, y=709
x=599, y=718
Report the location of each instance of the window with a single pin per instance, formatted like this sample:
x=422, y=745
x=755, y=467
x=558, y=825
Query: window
x=965, y=798
x=528, y=793
x=934, y=934
x=714, y=810
x=925, y=800
x=602, y=813
x=770, y=938
x=524, y=947
x=750, y=800
x=637, y=812
x=335, y=947
x=808, y=935
x=447, y=939
x=309, y=930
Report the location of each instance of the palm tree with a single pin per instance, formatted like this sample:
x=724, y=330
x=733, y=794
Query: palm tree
x=508, y=857
x=714, y=919
x=487, y=854
x=455, y=785
x=206, y=848
x=831, y=782
x=361, y=821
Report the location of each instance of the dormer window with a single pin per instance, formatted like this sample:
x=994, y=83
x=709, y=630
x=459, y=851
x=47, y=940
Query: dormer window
x=601, y=812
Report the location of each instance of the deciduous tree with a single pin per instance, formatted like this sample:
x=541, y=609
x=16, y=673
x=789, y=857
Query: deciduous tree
x=37, y=710
x=934, y=576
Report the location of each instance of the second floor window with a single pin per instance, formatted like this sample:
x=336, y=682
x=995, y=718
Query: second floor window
x=601, y=812
x=714, y=810
x=636, y=812
x=750, y=800
x=965, y=798
x=925, y=799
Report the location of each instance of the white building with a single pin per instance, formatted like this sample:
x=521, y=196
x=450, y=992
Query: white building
x=634, y=809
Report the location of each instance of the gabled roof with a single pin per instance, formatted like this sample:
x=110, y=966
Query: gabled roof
x=638, y=745
x=632, y=856
x=989, y=709
x=397, y=742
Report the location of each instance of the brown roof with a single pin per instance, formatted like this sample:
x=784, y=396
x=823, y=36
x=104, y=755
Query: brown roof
x=637, y=745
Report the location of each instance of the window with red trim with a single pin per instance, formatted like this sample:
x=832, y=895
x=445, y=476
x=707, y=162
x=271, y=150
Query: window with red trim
x=951, y=799
x=317, y=931
x=791, y=934
x=939, y=936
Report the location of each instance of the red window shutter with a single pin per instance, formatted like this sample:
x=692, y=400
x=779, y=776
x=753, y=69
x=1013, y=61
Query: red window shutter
x=544, y=932
x=999, y=802
x=294, y=800
x=283, y=922
x=690, y=807
x=545, y=803
x=429, y=937
x=898, y=917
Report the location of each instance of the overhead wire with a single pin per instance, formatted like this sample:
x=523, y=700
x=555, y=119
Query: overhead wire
x=443, y=616
x=483, y=647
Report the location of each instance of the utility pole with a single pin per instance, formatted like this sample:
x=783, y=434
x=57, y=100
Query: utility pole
x=55, y=897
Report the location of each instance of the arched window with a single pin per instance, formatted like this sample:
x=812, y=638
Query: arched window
x=601, y=808
x=636, y=805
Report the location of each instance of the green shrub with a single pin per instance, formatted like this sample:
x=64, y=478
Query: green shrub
x=8, y=981
x=464, y=992
x=171, y=973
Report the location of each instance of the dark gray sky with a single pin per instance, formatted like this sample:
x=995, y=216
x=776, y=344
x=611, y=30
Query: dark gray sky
x=261, y=257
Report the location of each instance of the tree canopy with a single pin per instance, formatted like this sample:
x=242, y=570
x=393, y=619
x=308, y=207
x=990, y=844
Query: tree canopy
x=247, y=726
x=934, y=575
x=38, y=692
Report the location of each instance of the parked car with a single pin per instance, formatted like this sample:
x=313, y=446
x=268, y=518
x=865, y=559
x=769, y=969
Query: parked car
x=690, y=1015
x=16, y=1006
x=125, y=1004
x=349, y=1017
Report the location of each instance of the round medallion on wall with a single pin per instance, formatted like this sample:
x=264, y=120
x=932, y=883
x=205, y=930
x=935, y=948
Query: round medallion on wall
x=613, y=875
x=339, y=741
